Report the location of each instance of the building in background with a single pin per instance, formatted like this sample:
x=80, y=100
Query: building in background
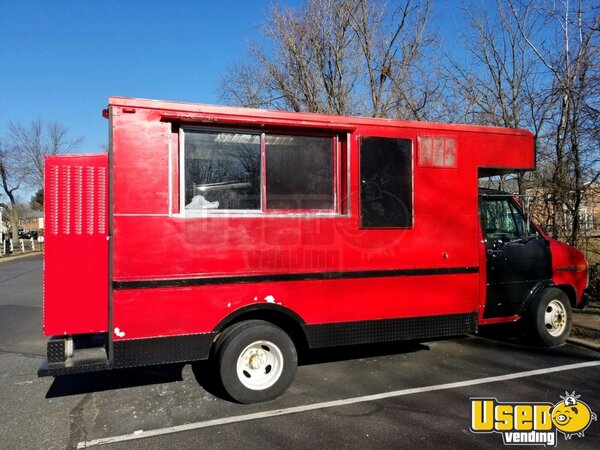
x=33, y=221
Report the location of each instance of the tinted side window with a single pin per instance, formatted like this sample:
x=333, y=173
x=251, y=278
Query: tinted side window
x=502, y=220
x=299, y=172
x=222, y=170
x=386, y=194
x=497, y=219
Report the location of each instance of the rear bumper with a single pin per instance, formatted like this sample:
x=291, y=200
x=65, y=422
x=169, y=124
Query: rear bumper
x=89, y=353
x=66, y=368
x=75, y=354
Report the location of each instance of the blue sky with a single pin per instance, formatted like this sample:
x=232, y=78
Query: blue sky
x=61, y=60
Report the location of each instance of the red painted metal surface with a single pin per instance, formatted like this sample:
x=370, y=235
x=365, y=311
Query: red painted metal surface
x=201, y=308
x=152, y=240
x=76, y=246
x=569, y=267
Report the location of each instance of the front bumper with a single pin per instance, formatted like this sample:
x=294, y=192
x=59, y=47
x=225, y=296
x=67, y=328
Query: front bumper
x=585, y=299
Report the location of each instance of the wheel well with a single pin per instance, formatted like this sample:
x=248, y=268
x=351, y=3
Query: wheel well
x=282, y=319
x=538, y=290
x=570, y=292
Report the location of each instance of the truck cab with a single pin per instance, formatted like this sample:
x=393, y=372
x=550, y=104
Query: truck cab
x=529, y=276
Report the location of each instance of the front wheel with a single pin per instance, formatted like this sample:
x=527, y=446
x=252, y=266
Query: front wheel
x=256, y=361
x=550, y=317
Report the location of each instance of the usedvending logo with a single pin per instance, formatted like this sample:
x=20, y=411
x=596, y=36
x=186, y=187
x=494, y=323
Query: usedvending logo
x=532, y=423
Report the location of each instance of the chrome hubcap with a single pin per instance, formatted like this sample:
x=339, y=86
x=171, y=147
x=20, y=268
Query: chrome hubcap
x=259, y=365
x=555, y=318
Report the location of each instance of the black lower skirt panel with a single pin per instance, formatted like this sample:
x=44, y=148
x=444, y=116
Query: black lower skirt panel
x=173, y=349
x=390, y=330
x=162, y=350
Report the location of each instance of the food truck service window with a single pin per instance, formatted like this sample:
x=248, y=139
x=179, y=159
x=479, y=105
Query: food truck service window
x=257, y=172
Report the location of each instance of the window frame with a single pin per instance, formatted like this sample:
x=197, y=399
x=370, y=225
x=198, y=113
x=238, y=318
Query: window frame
x=336, y=144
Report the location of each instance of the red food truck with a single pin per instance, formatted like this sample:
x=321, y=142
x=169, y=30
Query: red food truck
x=245, y=235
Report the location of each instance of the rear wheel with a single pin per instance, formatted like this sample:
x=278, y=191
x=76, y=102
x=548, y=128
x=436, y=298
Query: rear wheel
x=256, y=361
x=550, y=317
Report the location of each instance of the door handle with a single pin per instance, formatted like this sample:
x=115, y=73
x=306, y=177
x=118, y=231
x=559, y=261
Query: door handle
x=494, y=253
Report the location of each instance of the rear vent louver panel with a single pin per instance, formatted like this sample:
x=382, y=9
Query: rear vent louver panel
x=76, y=244
x=77, y=198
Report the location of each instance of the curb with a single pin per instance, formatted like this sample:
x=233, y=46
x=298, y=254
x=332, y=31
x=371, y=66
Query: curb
x=12, y=258
x=584, y=343
x=586, y=332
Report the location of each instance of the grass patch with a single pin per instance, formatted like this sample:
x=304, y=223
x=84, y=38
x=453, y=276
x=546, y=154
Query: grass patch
x=592, y=309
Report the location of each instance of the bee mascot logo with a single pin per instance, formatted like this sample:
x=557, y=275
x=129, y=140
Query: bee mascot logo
x=572, y=416
x=531, y=423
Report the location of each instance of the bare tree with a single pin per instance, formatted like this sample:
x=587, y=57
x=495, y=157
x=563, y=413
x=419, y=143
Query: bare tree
x=36, y=141
x=568, y=46
x=22, y=156
x=501, y=85
x=536, y=65
x=392, y=45
x=12, y=178
x=246, y=84
x=309, y=67
x=340, y=57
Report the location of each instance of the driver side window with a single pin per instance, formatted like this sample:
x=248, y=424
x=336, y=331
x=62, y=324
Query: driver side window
x=501, y=220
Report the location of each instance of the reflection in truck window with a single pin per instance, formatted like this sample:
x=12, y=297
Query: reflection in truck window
x=222, y=170
x=299, y=172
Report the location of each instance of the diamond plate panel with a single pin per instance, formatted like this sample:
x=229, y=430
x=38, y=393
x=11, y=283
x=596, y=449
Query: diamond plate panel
x=162, y=350
x=56, y=350
x=389, y=330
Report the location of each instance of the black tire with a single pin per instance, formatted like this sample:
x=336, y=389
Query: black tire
x=549, y=318
x=256, y=361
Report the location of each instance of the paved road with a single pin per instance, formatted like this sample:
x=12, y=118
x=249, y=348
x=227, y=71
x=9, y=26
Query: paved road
x=21, y=306
x=366, y=397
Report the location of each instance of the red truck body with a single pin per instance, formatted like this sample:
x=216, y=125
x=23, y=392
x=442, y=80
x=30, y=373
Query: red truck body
x=130, y=259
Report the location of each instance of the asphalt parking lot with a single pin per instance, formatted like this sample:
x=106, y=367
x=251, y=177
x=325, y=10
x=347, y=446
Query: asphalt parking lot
x=398, y=395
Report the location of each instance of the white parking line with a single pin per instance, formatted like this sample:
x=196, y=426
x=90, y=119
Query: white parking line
x=140, y=434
